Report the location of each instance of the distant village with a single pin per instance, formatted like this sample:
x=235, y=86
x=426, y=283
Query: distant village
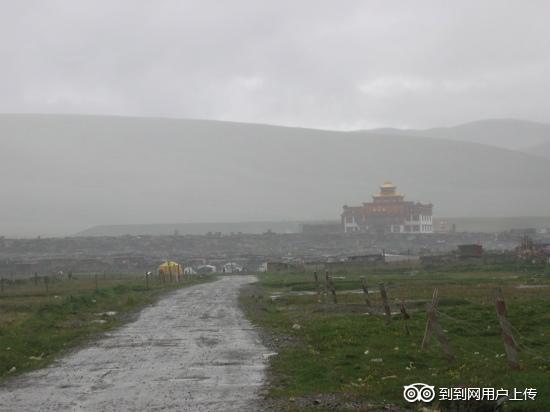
x=257, y=252
x=387, y=229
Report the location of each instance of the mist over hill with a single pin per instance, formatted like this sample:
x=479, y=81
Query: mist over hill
x=505, y=133
x=542, y=149
x=61, y=174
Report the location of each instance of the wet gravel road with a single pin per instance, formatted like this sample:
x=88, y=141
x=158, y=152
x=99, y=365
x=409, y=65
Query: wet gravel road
x=192, y=351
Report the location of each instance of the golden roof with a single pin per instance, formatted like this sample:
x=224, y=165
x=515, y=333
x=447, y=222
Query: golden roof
x=388, y=189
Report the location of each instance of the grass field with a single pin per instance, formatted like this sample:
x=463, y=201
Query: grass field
x=337, y=356
x=36, y=324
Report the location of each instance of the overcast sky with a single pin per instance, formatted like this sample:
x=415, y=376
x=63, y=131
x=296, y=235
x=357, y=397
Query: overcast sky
x=324, y=64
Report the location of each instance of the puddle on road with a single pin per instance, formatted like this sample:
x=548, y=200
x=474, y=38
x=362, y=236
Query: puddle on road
x=207, y=341
x=196, y=378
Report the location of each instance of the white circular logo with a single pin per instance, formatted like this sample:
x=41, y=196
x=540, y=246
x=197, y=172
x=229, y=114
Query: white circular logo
x=419, y=392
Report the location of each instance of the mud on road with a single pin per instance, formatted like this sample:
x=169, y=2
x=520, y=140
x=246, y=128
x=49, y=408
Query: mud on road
x=192, y=351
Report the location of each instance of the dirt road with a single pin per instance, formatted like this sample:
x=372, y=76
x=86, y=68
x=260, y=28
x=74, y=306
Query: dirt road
x=192, y=351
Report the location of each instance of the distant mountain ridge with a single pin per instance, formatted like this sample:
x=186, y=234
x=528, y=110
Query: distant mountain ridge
x=191, y=228
x=62, y=173
x=505, y=133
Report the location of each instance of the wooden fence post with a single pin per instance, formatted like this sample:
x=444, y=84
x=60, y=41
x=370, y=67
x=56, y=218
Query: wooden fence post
x=2, y=285
x=429, y=325
x=433, y=325
x=365, y=290
x=333, y=290
x=318, y=286
x=35, y=278
x=406, y=317
x=510, y=345
x=96, y=283
x=385, y=303
x=330, y=286
x=46, y=281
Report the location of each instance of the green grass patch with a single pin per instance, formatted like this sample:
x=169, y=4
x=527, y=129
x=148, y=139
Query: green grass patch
x=340, y=349
x=37, y=325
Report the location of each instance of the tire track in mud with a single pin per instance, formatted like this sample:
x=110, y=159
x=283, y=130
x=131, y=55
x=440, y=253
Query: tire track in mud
x=192, y=351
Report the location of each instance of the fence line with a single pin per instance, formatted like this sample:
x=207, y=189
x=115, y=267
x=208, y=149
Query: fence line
x=512, y=346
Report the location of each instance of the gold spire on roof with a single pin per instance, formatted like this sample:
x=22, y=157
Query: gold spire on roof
x=388, y=189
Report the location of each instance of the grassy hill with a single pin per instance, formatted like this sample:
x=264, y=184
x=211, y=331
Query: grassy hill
x=60, y=174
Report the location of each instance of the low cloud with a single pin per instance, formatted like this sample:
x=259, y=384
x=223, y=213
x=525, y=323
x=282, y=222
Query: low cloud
x=309, y=63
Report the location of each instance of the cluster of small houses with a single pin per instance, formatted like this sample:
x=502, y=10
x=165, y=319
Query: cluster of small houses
x=534, y=251
x=464, y=254
x=174, y=268
x=527, y=251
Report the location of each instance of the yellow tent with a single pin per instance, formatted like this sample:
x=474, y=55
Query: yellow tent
x=170, y=268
